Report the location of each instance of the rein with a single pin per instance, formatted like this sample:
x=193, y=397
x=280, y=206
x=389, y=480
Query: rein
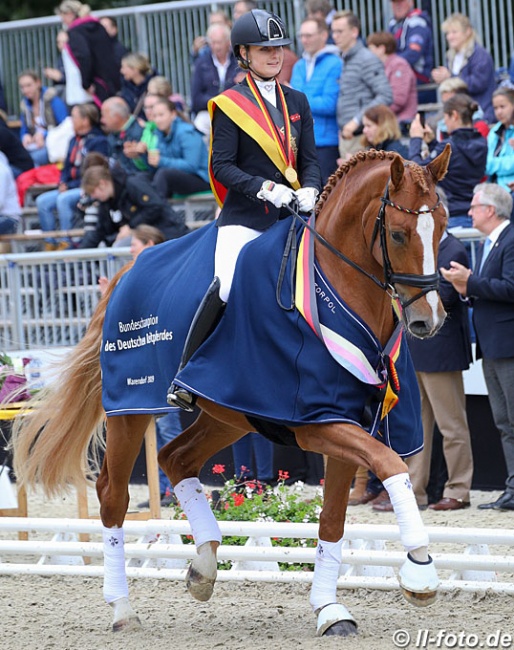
x=426, y=283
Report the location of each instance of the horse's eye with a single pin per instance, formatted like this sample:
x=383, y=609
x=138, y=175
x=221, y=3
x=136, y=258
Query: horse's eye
x=398, y=237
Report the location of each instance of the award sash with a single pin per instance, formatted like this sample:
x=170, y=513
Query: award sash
x=254, y=119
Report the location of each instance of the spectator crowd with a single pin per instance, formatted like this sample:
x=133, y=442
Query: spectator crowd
x=131, y=144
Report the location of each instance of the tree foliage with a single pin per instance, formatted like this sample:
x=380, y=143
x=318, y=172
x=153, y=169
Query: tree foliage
x=18, y=10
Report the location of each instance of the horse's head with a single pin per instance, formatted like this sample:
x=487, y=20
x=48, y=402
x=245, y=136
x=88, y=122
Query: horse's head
x=406, y=238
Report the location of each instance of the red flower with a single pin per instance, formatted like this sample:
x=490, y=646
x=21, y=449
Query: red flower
x=322, y=481
x=239, y=499
x=250, y=485
x=218, y=469
x=282, y=475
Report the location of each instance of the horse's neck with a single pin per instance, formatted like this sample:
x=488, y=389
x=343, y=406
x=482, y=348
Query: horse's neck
x=357, y=290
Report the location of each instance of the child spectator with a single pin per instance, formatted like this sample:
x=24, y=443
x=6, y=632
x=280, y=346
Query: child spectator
x=381, y=131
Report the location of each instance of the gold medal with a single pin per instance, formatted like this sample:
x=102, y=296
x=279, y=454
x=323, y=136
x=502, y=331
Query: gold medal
x=291, y=175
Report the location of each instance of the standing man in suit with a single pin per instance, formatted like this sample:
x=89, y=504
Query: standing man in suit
x=439, y=362
x=490, y=289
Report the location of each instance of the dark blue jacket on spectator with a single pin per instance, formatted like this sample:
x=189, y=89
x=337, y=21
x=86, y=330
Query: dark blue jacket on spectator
x=415, y=42
x=133, y=94
x=79, y=147
x=478, y=73
x=392, y=145
x=466, y=168
x=205, y=83
x=450, y=349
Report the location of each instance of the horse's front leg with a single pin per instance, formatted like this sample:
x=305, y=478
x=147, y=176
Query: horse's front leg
x=182, y=459
x=124, y=437
x=418, y=577
x=333, y=618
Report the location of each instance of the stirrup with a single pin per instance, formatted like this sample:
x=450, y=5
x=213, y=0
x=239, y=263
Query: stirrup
x=181, y=397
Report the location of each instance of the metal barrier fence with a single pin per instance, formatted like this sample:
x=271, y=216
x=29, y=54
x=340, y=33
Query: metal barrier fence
x=165, y=32
x=47, y=299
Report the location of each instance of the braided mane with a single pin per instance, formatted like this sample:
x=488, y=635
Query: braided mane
x=417, y=172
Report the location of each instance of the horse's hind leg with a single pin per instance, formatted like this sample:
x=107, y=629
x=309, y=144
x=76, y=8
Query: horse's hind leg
x=182, y=459
x=124, y=437
x=333, y=618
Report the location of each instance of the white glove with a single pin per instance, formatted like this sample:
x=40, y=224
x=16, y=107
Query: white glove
x=307, y=197
x=276, y=193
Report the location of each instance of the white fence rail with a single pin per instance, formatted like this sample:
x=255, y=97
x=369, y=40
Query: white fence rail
x=464, y=559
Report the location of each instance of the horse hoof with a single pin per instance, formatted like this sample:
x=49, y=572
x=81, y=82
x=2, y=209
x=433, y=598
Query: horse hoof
x=198, y=585
x=335, y=620
x=125, y=617
x=419, y=582
x=127, y=625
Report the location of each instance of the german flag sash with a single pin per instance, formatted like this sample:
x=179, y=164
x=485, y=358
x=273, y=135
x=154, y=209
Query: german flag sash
x=249, y=112
x=350, y=354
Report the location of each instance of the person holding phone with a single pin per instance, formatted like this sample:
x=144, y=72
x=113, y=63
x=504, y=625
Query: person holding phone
x=468, y=159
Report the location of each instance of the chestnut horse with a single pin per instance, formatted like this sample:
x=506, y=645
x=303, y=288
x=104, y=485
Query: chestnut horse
x=377, y=231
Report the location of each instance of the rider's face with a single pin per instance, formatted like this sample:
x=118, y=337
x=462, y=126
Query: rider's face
x=265, y=62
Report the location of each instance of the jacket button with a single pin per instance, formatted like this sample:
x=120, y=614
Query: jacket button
x=277, y=175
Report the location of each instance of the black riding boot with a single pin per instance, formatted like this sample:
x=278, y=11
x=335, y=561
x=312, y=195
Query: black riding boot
x=205, y=321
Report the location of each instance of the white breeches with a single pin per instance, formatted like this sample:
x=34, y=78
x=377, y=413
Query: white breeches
x=231, y=240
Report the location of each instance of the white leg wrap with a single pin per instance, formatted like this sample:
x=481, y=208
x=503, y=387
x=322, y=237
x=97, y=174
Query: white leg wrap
x=413, y=534
x=115, y=577
x=326, y=573
x=198, y=512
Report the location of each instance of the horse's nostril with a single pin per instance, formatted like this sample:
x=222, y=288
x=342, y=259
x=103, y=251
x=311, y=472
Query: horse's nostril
x=421, y=329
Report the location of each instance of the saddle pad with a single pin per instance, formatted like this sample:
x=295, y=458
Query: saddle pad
x=261, y=360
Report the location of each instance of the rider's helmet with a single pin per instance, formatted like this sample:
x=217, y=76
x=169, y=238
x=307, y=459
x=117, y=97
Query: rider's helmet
x=258, y=27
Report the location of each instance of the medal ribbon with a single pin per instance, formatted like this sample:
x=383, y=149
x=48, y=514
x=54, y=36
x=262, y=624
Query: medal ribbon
x=283, y=143
x=346, y=353
x=250, y=119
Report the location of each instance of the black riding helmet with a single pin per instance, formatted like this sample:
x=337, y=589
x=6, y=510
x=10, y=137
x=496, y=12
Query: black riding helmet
x=258, y=27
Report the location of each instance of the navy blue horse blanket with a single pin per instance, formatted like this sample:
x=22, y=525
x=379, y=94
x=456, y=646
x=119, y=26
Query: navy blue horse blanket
x=262, y=360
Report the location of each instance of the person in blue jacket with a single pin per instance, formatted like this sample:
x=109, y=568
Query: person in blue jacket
x=469, y=61
x=181, y=158
x=412, y=29
x=41, y=109
x=500, y=141
x=317, y=75
x=468, y=159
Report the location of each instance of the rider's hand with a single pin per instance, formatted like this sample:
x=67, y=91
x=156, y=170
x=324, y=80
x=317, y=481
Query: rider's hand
x=307, y=197
x=276, y=193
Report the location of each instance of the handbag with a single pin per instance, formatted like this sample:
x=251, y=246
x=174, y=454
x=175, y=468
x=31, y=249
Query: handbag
x=58, y=140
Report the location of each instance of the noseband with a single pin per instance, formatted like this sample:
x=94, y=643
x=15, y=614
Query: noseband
x=426, y=283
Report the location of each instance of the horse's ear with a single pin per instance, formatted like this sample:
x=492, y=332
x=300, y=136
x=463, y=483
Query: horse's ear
x=439, y=166
x=397, y=171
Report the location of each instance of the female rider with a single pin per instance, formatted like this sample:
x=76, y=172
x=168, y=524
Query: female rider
x=262, y=148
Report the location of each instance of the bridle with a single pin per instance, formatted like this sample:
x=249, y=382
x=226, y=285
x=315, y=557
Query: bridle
x=426, y=283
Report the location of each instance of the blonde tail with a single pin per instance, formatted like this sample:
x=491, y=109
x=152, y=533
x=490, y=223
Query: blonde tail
x=57, y=438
